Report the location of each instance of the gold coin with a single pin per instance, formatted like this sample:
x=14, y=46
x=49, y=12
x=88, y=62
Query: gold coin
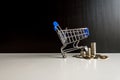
x=103, y=57
x=95, y=56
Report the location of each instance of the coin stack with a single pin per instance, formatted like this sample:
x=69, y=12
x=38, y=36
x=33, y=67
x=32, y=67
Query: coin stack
x=83, y=53
x=93, y=49
x=89, y=52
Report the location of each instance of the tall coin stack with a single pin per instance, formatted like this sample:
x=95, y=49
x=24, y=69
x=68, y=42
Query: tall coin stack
x=93, y=49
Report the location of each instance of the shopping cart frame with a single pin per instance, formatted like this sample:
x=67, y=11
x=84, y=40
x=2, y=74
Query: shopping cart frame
x=70, y=36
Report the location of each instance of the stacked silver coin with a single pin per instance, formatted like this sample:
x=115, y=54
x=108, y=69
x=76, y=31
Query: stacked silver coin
x=93, y=49
x=89, y=53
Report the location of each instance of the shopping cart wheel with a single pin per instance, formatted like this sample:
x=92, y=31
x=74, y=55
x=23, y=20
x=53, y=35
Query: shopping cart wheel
x=64, y=56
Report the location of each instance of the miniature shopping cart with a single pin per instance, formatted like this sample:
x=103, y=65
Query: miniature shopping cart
x=70, y=36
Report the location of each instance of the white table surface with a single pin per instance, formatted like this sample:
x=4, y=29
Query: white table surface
x=48, y=66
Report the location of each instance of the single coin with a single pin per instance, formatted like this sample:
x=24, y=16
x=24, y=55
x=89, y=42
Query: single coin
x=103, y=56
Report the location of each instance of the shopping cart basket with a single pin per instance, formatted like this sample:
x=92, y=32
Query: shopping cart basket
x=70, y=36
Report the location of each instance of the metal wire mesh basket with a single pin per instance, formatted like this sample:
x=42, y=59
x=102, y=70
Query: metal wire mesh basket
x=68, y=36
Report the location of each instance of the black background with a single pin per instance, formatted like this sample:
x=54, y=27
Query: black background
x=30, y=29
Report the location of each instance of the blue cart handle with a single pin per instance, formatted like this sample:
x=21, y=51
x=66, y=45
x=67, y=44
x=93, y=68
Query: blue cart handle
x=55, y=24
